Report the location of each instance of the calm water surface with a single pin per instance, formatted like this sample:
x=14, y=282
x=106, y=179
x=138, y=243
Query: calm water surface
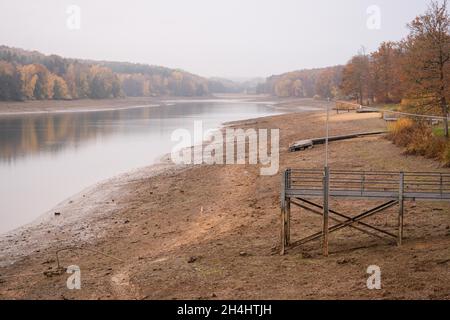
x=46, y=158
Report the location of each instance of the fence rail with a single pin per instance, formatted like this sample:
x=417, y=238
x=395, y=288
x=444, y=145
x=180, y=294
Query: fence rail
x=392, y=187
x=371, y=184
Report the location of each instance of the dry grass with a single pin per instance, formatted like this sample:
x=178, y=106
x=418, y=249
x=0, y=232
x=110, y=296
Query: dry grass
x=418, y=139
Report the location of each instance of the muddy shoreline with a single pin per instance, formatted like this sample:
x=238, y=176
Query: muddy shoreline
x=211, y=232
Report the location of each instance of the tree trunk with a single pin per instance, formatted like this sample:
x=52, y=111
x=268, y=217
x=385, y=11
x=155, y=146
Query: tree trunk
x=444, y=107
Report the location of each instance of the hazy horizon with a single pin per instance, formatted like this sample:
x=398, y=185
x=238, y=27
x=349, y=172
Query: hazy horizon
x=212, y=39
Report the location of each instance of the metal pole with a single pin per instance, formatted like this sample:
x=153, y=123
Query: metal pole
x=326, y=189
x=326, y=138
x=288, y=221
x=401, y=209
x=283, y=214
x=326, y=186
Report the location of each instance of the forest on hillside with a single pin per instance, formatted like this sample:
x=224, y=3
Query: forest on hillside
x=30, y=75
x=415, y=70
x=323, y=82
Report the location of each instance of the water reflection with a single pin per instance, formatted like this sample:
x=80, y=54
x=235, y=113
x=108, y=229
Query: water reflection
x=34, y=134
x=48, y=157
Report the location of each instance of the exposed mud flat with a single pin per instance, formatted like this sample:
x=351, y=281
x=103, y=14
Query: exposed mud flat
x=212, y=232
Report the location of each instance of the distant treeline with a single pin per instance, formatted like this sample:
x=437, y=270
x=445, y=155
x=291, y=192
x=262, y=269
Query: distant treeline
x=323, y=82
x=30, y=75
x=415, y=70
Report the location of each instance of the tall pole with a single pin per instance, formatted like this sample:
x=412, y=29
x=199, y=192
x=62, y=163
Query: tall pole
x=326, y=189
x=327, y=134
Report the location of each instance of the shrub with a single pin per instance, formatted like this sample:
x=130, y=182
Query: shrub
x=400, y=131
x=446, y=155
x=418, y=139
x=436, y=148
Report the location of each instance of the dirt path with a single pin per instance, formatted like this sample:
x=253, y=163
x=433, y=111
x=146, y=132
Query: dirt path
x=211, y=232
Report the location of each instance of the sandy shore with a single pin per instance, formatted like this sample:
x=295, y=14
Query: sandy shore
x=46, y=106
x=211, y=232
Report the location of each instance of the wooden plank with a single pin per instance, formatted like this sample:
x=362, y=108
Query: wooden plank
x=347, y=223
x=357, y=194
x=300, y=145
x=317, y=212
x=303, y=183
x=345, y=217
x=309, y=143
x=364, y=110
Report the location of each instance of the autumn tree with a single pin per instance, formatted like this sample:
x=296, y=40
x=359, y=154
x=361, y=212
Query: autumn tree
x=10, y=82
x=133, y=85
x=103, y=83
x=60, y=90
x=43, y=88
x=356, y=78
x=52, y=77
x=427, y=66
x=327, y=84
x=386, y=73
x=28, y=79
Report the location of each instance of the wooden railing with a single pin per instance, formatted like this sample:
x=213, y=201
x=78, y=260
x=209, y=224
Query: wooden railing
x=370, y=184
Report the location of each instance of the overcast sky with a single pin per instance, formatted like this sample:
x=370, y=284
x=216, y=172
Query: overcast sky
x=227, y=38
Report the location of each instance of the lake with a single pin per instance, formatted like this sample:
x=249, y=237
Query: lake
x=46, y=158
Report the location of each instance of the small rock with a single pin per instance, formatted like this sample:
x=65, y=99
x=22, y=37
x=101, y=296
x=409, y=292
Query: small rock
x=345, y=261
x=54, y=272
x=48, y=261
x=126, y=221
x=192, y=259
x=243, y=254
x=213, y=295
x=306, y=255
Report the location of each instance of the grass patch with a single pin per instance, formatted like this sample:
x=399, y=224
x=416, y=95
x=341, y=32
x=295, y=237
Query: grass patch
x=438, y=131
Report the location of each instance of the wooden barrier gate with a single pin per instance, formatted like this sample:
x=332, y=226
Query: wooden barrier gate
x=393, y=187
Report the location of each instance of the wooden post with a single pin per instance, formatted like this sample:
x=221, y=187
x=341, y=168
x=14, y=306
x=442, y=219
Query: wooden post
x=326, y=188
x=283, y=214
x=282, y=234
x=287, y=182
x=401, y=209
x=288, y=221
